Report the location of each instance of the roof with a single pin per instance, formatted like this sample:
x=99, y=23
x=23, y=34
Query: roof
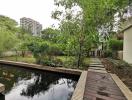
x=126, y=28
x=126, y=25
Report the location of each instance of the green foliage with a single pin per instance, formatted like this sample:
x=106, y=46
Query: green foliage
x=79, y=33
x=121, y=68
x=27, y=59
x=7, y=23
x=95, y=12
x=113, y=48
x=24, y=38
x=7, y=40
x=108, y=53
x=115, y=45
x=50, y=34
x=119, y=63
x=94, y=15
x=43, y=51
x=8, y=37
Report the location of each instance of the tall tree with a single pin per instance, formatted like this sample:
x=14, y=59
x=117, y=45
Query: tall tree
x=50, y=34
x=7, y=23
x=94, y=14
x=7, y=33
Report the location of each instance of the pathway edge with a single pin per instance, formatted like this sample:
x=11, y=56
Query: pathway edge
x=125, y=90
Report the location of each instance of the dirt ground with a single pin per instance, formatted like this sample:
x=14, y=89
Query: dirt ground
x=124, y=72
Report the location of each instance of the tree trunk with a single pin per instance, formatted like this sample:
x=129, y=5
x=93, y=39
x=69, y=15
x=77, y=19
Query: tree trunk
x=16, y=55
x=23, y=53
x=79, y=56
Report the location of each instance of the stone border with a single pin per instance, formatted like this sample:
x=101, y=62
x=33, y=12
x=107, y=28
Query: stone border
x=78, y=93
x=41, y=67
x=125, y=90
x=80, y=87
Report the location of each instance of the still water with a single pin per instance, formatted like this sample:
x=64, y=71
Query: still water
x=27, y=84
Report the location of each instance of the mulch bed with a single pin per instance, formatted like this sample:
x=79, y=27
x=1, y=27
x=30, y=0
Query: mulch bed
x=123, y=72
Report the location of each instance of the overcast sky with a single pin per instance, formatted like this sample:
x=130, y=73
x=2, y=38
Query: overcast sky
x=39, y=10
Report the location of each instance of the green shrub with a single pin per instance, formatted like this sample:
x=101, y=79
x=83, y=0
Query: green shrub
x=108, y=53
x=52, y=62
x=115, y=45
x=120, y=67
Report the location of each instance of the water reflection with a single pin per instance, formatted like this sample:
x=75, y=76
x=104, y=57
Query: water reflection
x=22, y=84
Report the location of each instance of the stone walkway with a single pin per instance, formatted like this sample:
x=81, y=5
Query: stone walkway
x=100, y=85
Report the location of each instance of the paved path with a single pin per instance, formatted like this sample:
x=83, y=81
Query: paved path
x=100, y=85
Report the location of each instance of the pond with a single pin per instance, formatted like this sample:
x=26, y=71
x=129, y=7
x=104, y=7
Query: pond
x=27, y=84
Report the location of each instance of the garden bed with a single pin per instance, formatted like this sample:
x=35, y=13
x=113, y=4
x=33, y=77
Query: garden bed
x=59, y=61
x=121, y=69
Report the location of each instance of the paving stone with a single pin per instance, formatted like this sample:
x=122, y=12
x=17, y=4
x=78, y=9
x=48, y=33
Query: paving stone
x=92, y=65
x=97, y=68
x=100, y=85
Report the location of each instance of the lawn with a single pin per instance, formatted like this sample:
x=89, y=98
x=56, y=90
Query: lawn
x=27, y=59
x=68, y=62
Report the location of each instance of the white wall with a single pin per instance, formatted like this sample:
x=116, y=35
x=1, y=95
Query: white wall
x=127, y=48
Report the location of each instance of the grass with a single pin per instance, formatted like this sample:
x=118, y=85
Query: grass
x=26, y=59
x=65, y=58
x=68, y=62
x=86, y=61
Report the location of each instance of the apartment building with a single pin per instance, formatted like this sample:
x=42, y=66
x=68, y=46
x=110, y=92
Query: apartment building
x=31, y=25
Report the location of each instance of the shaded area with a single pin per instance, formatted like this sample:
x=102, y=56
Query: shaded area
x=23, y=84
x=2, y=97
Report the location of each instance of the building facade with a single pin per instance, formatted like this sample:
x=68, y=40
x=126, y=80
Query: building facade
x=31, y=26
x=127, y=44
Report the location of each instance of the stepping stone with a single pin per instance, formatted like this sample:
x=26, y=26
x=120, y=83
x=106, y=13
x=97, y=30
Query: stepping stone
x=97, y=68
x=96, y=63
x=100, y=71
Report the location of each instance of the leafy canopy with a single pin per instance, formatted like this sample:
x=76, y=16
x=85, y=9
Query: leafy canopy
x=8, y=37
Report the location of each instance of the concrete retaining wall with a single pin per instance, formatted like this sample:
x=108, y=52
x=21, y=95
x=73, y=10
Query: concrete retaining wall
x=80, y=87
x=41, y=67
x=127, y=49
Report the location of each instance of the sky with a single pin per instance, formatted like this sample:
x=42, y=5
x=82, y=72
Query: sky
x=39, y=10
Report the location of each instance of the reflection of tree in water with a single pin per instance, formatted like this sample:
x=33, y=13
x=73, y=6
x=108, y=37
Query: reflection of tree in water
x=42, y=83
x=70, y=84
x=11, y=75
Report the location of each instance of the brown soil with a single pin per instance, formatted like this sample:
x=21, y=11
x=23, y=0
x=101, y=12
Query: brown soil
x=124, y=73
